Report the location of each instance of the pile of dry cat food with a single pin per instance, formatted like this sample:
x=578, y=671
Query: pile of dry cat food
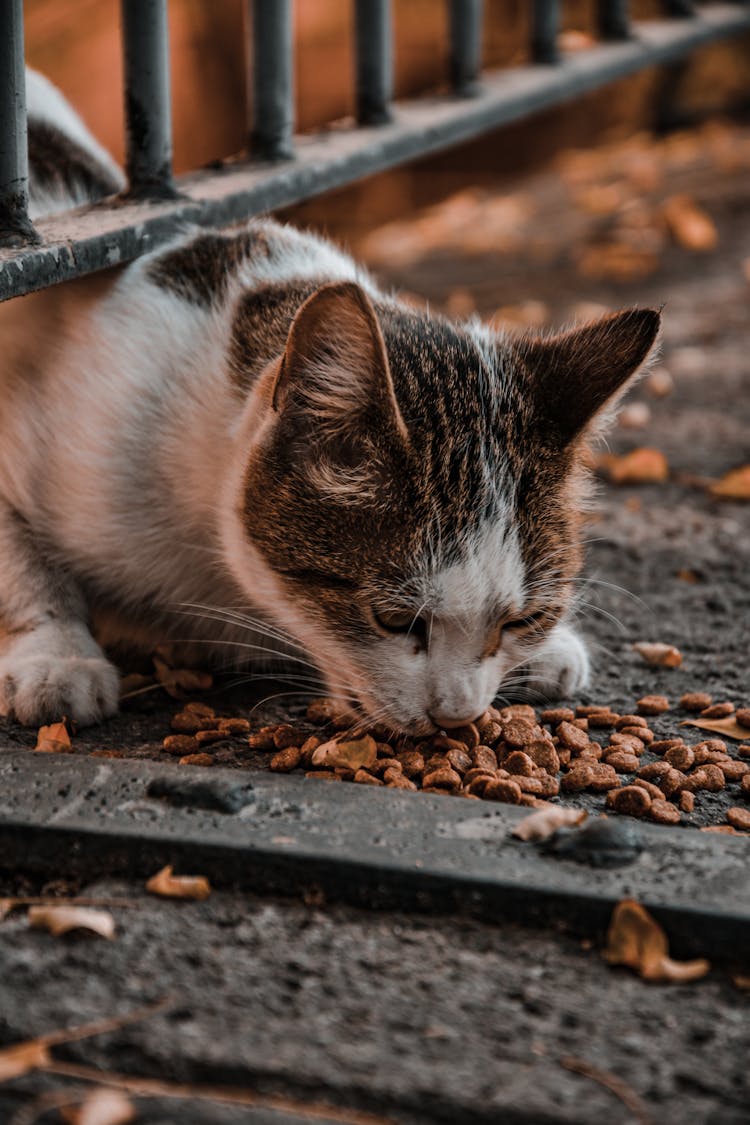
x=514, y=755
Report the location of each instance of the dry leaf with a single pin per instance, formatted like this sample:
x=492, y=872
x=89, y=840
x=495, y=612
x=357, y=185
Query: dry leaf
x=54, y=739
x=729, y=727
x=21, y=1058
x=637, y=940
x=640, y=466
x=691, y=227
x=178, y=886
x=101, y=1107
x=180, y=682
x=659, y=655
x=352, y=755
x=540, y=825
x=61, y=919
x=734, y=485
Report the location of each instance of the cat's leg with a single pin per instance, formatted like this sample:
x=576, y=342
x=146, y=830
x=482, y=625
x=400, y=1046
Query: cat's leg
x=50, y=665
x=561, y=667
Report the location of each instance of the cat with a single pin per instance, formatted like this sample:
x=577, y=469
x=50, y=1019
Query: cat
x=240, y=443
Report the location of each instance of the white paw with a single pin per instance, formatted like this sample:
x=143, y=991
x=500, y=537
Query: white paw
x=561, y=668
x=49, y=673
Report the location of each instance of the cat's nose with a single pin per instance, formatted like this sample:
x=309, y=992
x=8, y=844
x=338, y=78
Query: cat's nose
x=448, y=720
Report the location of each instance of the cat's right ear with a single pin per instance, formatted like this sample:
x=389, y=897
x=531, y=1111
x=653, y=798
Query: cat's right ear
x=334, y=374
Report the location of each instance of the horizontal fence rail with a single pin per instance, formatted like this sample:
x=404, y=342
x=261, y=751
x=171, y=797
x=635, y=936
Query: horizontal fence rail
x=85, y=240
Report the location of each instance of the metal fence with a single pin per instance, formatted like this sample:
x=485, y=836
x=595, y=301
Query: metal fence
x=284, y=168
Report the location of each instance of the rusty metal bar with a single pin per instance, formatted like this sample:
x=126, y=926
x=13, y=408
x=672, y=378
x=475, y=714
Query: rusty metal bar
x=373, y=35
x=614, y=19
x=271, y=79
x=545, y=25
x=148, y=113
x=15, y=226
x=465, y=46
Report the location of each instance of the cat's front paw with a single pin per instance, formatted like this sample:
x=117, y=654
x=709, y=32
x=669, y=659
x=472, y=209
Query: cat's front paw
x=41, y=689
x=561, y=668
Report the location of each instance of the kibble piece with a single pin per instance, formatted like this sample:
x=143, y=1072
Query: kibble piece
x=484, y=758
x=586, y=709
x=713, y=778
x=195, y=707
x=572, y=737
x=627, y=742
x=490, y=733
x=517, y=711
x=602, y=720
x=180, y=744
x=695, y=701
x=681, y=757
x=519, y=763
x=742, y=716
x=556, y=715
x=672, y=782
x=460, y=760
x=592, y=753
x=544, y=754
x=262, y=739
x=286, y=760
x=580, y=777
x=308, y=748
x=498, y=789
x=550, y=785
x=284, y=735
x=663, y=744
x=530, y=785
x=327, y=711
x=652, y=705
x=654, y=770
x=186, y=722
x=739, y=818
x=380, y=766
x=476, y=780
x=622, y=762
x=398, y=781
x=362, y=777
x=581, y=724
x=412, y=763
x=687, y=800
x=468, y=735
x=196, y=760
x=630, y=721
x=604, y=778
x=207, y=737
x=664, y=812
x=445, y=778
x=643, y=734
x=631, y=800
x=734, y=771
x=234, y=726
x=718, y=711
x=744, y=750
x=653, y=791
x=518, y=732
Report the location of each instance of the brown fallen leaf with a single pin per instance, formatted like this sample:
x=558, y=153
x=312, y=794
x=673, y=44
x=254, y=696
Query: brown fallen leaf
x=21, y=1058
x=640, y=466
x=180, y=682
x=101, y=1107
x=540, y=825
x=734, y=485
x=167, y=885
x=637, y=940
x=352, y=755
x=54, y=739
x=691, y=226
x=729, y=727
x=659, y=655
x=62, y=919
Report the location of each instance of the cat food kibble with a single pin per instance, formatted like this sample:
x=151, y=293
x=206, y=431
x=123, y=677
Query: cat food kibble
x=742, y=715
x=739, y=818
x=696, y=701
x=652, y=705
x=718, y=711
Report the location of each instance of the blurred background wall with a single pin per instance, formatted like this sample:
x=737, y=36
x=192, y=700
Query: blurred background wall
x=76, y=43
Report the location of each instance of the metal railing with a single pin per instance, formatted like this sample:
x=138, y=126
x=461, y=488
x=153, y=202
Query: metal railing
x=284, y=169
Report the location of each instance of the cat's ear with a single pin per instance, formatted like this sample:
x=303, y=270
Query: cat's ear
x=335, y=372
x=577, y=377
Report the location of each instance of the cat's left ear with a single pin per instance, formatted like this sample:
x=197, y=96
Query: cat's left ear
x=335, y=374
x=574, y=379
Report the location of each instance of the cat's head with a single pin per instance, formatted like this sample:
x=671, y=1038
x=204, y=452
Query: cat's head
x=410, y=507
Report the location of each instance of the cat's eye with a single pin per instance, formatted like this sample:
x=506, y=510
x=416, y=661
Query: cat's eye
x=402, y=621
x=524, y=624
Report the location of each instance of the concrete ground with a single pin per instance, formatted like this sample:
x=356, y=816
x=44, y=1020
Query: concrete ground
x=427, y=1019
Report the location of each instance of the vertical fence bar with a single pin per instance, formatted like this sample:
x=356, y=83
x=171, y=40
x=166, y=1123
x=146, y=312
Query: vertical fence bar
x=466, y=46
x=271, y=79
x=15, y=227
x=680, y=7
x=614, y=19
x=374, y=60
x=544, y=30
x=148, y=117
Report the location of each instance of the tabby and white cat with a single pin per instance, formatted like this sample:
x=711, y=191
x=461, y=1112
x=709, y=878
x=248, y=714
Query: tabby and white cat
x=242, y=420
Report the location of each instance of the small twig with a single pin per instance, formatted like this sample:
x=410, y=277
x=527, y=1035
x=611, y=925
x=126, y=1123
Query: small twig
x=611, y=1082
x=140, y=691
x=113, y=1023
x=155, y=1088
